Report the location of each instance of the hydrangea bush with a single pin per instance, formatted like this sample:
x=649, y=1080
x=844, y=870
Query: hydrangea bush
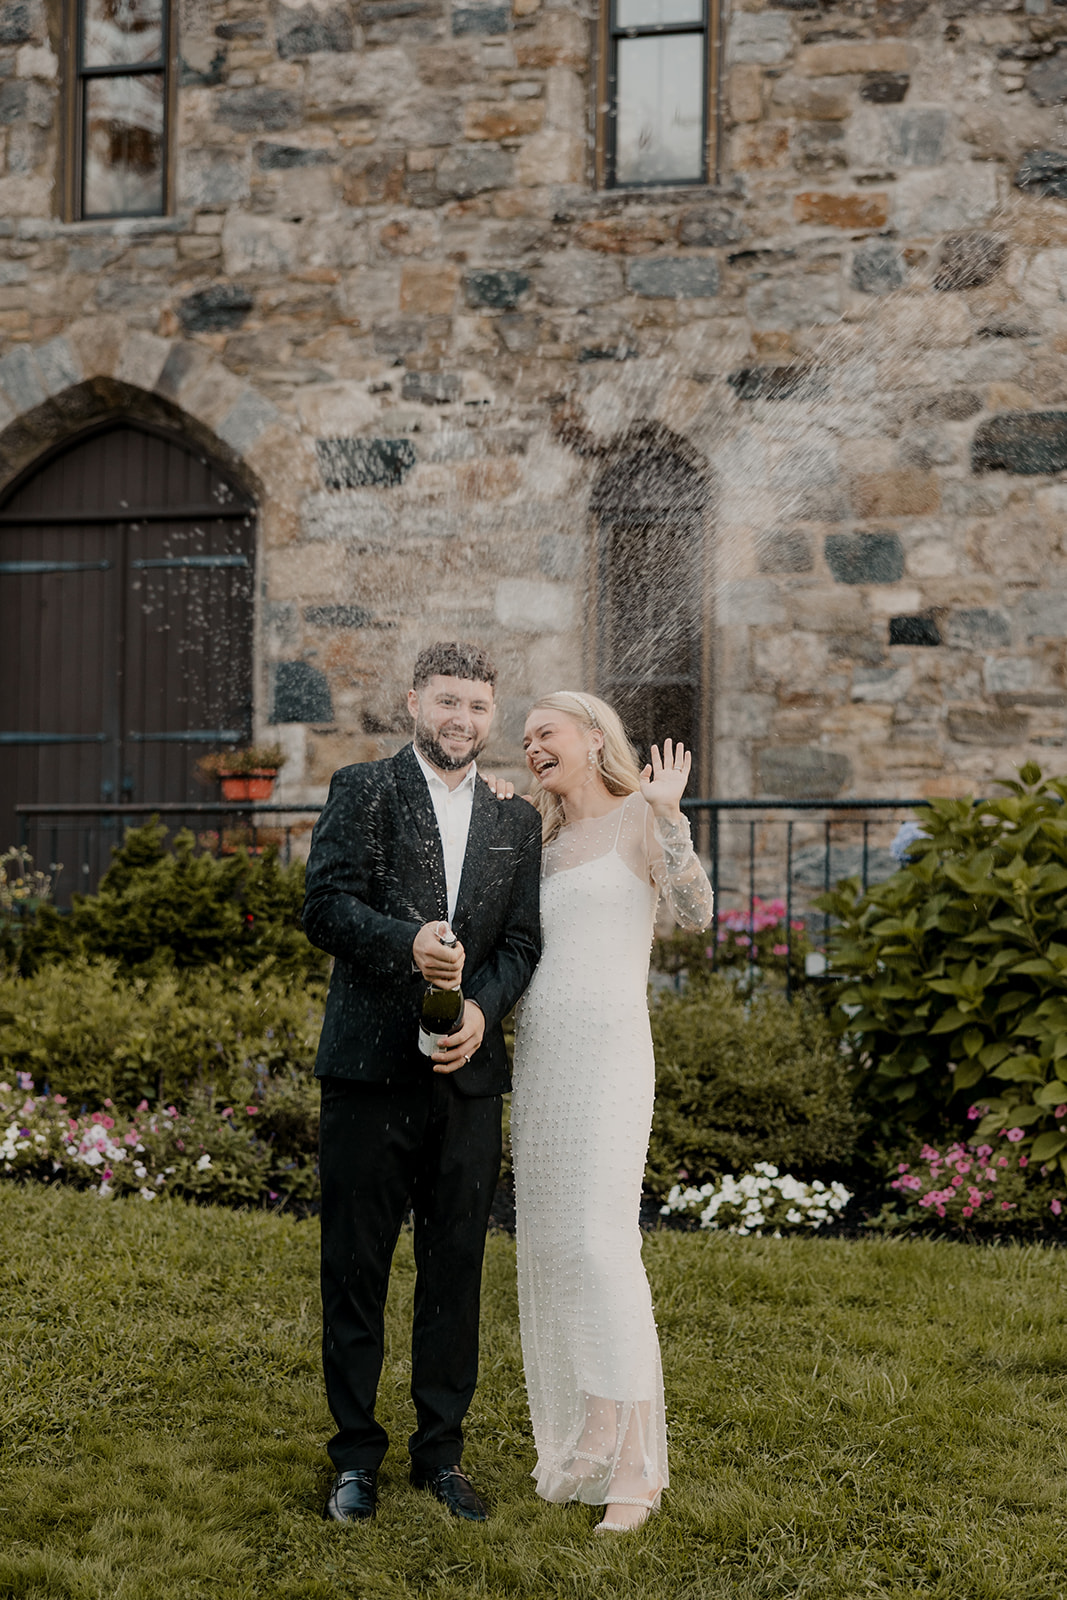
x=203, y=1153
x=760, y=1201
x=746, y=937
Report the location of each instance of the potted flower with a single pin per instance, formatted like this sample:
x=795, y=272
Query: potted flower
x=247, y=774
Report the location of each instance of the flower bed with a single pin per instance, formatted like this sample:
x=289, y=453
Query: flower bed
x=760, y=1201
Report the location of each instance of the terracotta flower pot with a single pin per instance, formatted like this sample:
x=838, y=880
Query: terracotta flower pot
x=248, y=785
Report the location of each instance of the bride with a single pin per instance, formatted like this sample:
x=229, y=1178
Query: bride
x=614, y=840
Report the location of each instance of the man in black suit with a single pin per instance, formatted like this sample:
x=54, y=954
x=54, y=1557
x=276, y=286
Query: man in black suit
x=402, y=846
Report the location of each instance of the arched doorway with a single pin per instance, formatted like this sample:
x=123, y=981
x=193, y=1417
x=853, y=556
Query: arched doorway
x=126, y=627
x=652, y=593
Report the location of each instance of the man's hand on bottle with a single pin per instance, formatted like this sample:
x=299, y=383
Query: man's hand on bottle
x=439, y=963
x=458, y=1048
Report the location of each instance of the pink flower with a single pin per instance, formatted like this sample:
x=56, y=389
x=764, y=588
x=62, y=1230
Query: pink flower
x=1024, y=1161
x=710, y=951
x=956, y=1182
x=143, y=1106
x=1002, y=1161
x=902, y=1166
x=1055, y=1207
x=973, y=1113
x=228, y=1112
x=108, y=1174
x=109, y=1104
x=252, y=1110
x=984, y=1150
x=779, y=949
x=743, y=939
x=1005, y=1205
x=172, y=1111
x=60, y=1099
x=1060, y=1111
x=967, y=1212
x=1015, y=1134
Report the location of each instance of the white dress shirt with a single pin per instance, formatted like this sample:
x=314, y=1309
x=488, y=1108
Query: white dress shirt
x=452, y=808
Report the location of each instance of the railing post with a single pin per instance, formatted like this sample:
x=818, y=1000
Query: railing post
x=789, y=912
x=715, y=888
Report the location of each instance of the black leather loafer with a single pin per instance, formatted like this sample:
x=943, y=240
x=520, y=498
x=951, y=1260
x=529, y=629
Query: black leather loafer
x=453, y=1488
x=353, y=1496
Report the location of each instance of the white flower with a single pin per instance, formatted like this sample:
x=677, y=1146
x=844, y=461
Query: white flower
x=148, y=1194
x=139, y=1170
x=204, y=1162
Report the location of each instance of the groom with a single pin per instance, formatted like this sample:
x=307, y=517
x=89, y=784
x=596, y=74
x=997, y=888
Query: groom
x=401, y=846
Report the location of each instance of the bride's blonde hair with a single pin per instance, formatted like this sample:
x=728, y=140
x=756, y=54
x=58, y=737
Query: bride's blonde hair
x=616, y=759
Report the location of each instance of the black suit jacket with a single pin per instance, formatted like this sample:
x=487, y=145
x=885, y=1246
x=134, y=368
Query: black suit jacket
x=375, y=875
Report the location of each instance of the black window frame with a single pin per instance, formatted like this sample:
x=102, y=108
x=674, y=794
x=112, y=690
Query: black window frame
x=79, y=75
x=709, y=30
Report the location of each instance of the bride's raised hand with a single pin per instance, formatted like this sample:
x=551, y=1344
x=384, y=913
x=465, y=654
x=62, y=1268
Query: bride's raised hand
x=663, y=781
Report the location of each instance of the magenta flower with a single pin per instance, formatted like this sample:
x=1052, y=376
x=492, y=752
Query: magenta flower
x=967, y=1212
x=1060, y=1111
x=973, y=1113
x=984, y=1151
x=1002, y=1161
x=1024, y=1161
x=1014, y=1135
x=1055, y=1207
x=252, y=1110
x=779, y=949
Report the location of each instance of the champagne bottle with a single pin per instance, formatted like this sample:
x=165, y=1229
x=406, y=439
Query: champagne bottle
x=441, y=1008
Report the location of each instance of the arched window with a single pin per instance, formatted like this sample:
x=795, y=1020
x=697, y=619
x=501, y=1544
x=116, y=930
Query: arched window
x=652, y=594
x=119, y=102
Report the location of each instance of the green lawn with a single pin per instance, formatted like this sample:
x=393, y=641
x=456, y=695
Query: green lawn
x=847, y=1420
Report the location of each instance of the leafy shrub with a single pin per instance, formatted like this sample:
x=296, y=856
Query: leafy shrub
x=93, y=1035
x=971, y=1187
x=958, y=969
x=745, y=1081
x=746, y=938
x=230, y=1154
x=158, y=907
x=24, y=889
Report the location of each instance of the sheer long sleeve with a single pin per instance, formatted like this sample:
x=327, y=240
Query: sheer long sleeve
x=677, y=873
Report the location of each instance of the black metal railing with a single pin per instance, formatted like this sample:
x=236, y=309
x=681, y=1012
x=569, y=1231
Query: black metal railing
x=79, y=838
x=802, y=847
x=790, y=850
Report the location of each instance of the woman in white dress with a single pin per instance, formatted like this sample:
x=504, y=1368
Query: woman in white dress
x=615, y=839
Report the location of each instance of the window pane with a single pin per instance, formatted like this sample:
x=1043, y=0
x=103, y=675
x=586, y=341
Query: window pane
x=124, y=145
x=120, y=33
x=649, y=13
x=659, y=109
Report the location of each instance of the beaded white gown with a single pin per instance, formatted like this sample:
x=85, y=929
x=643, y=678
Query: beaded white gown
x=580, y=1121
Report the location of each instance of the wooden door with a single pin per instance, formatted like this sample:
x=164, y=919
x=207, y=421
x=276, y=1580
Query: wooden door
x=126, y=616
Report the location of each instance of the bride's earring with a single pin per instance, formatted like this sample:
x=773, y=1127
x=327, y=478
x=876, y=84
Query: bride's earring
x=591, y=758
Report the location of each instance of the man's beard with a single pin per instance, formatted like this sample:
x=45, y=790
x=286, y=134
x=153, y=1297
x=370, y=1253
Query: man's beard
x=430, y=750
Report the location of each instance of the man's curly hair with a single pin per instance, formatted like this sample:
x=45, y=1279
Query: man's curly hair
x=453, y=660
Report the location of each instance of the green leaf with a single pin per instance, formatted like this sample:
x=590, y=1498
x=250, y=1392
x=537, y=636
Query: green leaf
x=992, y=1054
x=1050, y=1094
x=967, y=1074
x=972, y=1041
x=1048, y=1145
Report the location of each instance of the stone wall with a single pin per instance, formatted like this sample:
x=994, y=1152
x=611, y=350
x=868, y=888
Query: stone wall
x=391, y=292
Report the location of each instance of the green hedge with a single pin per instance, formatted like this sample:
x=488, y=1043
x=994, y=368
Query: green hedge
x=740, y=1081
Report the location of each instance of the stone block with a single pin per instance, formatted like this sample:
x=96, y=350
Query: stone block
x=956, y=405
x=431, y=388
x=917, y=136
x=495, y=290
x=502, y=119
x=819, y=148
x=744, y=93
x=1043, y=172
x=797, y=382
x=283, y=157
x=1046, y=81
x=250, y=415
x=865, y=557
x=364, y=463
x=557, y=39
x=428, y=287
x=1042, y=615
x=977, y=628
x=915, y=630
x=674, y=277
x=970, y=260
x=22, y=380
x=987, y=728
x=1007, y=675
x=759, y=146
x=1025, y=442
x=877, y=267
x=755, y=602
x=213, y=176
x=258, y=109
x=252, y=244
x=340, y=409
x=827, y=610
x=37, y=61
x=805, y=299
x=533, y=605
x=362, y=515
x=299, y=693
x=488, y=480
x=785, y=550
x=852, y=211
x=487, y=17
x=464, y=173
x=905, y=493
x=802, y=772
x=399, y=336
x=217, y=309
x=311, y=29
x=815, y=99
x=714, y=224
x=58, y=365
x=881, y=685
x=578, y=278
x=22, y=22
x=337, y=617
x=765, y=37
x=836, y=59
x=560, y=555
x=884, y=88
x=519, y=333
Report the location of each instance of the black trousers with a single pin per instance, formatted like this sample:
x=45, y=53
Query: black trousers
x=379, y=1149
